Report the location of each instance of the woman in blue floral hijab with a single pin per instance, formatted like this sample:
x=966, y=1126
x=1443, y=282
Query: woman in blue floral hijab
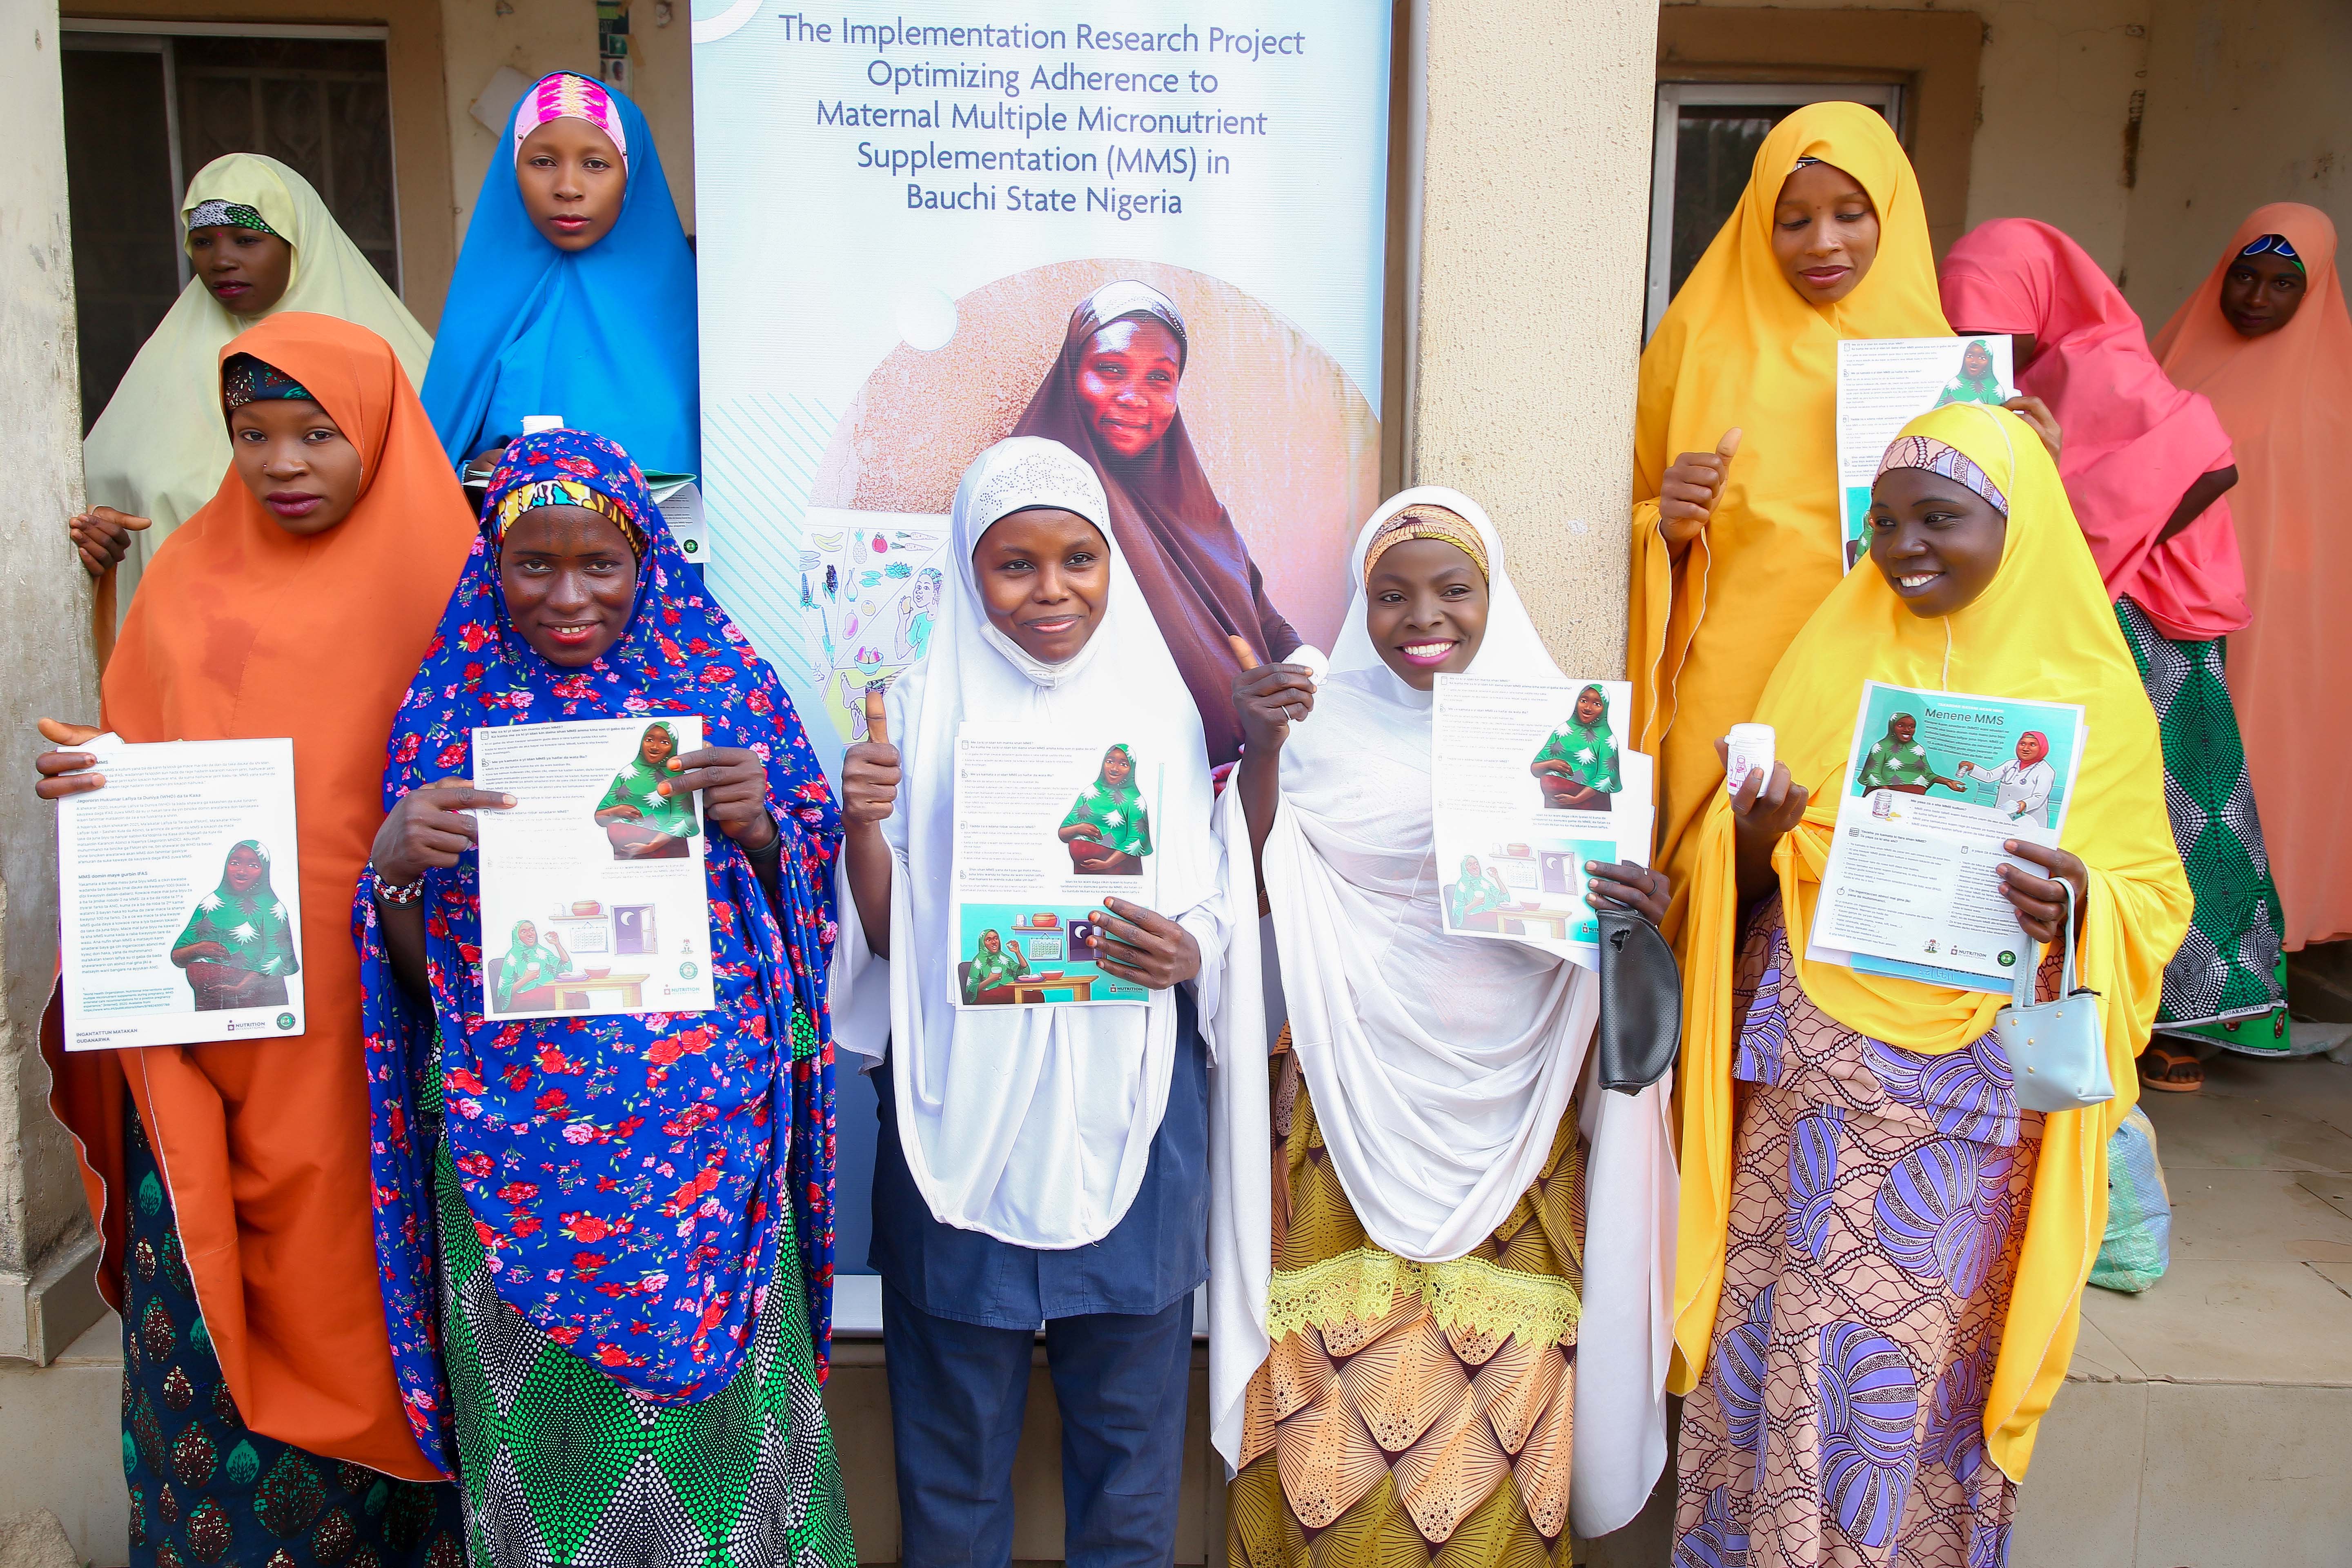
x=633, y=1212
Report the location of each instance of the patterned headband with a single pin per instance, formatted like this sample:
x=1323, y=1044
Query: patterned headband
x=570, y=492
x=246, y=379
x=1428, y=523
x=226, y=215
x=565, y=96
x=1943, y=457
x=2276, y=243
x=1054, y=477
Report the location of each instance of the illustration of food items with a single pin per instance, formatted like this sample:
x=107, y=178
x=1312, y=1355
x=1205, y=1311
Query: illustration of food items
x=876, y=580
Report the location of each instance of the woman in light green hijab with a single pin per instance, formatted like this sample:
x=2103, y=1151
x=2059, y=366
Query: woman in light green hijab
x=529, y=964
x=261, y=241
x=238, y=945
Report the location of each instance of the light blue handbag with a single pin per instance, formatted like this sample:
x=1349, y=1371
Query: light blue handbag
x=2057, y=1050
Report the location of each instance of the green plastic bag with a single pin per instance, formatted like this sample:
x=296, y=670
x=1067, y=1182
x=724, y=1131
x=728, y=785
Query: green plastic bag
x=2139, y=1244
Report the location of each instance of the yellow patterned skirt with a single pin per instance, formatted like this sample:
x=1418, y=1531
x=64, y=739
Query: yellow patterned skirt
x=1409, y=1413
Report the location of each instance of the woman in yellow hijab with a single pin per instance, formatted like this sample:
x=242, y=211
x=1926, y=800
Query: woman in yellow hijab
x=1881, y=1259
x=1732, y=553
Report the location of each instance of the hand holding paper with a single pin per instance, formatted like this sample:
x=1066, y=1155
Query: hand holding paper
x=1145, y=947
x=2036, y=412
x=430, y=827
x=2041, y=903
x=64, y=771
x=733, y=783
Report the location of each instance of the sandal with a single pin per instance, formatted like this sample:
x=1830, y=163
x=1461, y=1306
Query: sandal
x=2172, y=1069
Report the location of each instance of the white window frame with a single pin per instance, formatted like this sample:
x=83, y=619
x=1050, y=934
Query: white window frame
x=1672, y=96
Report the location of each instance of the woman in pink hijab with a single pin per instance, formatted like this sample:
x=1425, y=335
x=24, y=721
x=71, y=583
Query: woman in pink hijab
x=2147, y=465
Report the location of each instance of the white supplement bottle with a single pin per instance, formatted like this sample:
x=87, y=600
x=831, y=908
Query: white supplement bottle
x=1749, y=749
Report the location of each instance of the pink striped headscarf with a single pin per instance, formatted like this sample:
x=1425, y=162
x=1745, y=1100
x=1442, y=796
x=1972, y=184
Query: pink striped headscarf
x=565, y=96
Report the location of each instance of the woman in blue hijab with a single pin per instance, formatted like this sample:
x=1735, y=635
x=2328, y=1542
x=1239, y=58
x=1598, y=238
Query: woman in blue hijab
x=574, y=295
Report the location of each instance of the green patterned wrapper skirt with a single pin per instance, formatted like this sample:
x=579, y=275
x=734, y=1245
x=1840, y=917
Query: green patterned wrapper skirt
x=560, y=1465
x=208, y=1490
x=2227, y=982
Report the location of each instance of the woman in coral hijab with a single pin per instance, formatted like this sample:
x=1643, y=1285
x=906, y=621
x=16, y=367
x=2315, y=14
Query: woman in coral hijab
x=2146, y=468
x=2266, y=338
x=1734, y=547
x=297, y=602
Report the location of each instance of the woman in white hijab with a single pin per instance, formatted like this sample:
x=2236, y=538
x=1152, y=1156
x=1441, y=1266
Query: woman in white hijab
x=1036, y=1164
x=261, y=241
x=1468, y=1254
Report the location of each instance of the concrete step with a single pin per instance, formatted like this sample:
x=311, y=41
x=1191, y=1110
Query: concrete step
x=61, y=1429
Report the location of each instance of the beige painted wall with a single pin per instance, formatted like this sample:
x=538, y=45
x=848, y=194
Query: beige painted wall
x=542, y=36
x=2055, y=85
x=45, y=650
x=2248, y=101
x=1534, y=232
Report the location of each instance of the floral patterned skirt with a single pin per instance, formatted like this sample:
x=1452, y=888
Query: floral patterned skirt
x=205, y=1488
x=1878, y=1205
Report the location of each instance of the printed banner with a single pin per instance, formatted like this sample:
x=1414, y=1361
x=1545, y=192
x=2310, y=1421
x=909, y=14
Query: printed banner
x=1883, y=385
x=902, y=205
x=1936, y=782
x=1045, y=828
x=1531, y=780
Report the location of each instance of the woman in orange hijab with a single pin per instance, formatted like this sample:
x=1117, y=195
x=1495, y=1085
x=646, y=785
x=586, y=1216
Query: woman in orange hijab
x=2266, y=337
x=1735, y=544
x=297, y=602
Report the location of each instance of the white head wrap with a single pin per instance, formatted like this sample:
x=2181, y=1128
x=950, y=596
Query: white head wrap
x=1440, y=1066
x=1033, y=1125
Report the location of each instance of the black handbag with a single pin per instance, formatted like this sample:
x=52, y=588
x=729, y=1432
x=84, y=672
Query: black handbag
x=1641, y=1003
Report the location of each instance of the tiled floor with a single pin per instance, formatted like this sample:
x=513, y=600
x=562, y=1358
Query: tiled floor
x=2202, y=1425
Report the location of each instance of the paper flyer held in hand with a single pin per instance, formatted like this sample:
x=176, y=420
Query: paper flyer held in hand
x=1936, y=783
x=1531, y=780
x=593, y=894
x=1045, y=828
x=1883, y=383
x=180, y=897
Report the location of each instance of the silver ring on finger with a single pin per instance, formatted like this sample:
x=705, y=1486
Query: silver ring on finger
x=1293, y=712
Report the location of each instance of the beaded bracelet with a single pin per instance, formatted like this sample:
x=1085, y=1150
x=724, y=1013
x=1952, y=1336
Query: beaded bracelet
x=386, y=893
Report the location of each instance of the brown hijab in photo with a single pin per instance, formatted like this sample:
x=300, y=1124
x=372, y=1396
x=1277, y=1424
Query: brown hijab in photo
x=241, y=630
x=1178, y=537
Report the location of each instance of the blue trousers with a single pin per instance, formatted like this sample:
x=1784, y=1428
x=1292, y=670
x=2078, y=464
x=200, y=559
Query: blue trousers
x=956, y=1395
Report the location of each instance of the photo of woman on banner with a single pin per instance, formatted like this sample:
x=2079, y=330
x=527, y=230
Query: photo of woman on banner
x=641, y=817
x=238, y=947
x=1896, y=760
x=1576, y=766
x=1109, y=829
x=2021, y=786
x=1111, y=396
